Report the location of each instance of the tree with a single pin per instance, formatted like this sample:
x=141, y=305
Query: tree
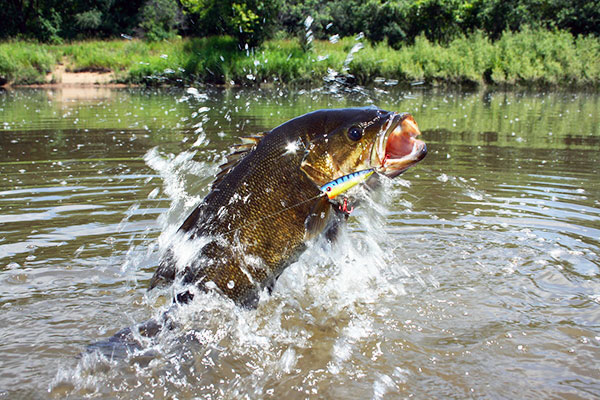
x=53, y=20
x=577, y=16
x=249, y=21
x=158, y=19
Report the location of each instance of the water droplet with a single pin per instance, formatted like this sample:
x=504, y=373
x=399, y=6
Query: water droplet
x=153, y=193
x=210, y=285
x=443, y=178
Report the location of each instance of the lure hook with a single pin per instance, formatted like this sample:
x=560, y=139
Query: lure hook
x=344, y=207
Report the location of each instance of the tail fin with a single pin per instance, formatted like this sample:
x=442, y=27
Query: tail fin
x=129, y=340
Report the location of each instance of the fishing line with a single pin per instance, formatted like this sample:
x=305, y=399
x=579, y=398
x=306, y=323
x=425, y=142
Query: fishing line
x=278, y=212
x=329, y=190
x=292, y=148
x=344, y=183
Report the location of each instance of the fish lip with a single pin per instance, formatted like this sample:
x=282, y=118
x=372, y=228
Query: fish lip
x=397, y=148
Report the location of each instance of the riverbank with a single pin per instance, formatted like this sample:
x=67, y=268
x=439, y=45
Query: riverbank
x=529, y=58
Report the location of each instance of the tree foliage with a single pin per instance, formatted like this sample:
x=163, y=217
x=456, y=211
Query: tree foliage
x=54, y=20
x=159, y=18
x=401, y=21
x=250, y=22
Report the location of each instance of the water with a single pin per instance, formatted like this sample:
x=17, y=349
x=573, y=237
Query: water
x=475, y=274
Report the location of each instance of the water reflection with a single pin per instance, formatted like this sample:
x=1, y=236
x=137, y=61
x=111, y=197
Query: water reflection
x=475, y=275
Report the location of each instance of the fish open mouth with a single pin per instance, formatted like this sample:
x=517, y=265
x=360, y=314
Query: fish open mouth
x=397, y=147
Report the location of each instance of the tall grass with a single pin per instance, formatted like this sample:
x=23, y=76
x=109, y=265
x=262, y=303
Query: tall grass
x=26, y=63
x=530, y=57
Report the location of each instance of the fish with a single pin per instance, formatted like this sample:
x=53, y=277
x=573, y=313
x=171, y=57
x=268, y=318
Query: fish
x=276, y=192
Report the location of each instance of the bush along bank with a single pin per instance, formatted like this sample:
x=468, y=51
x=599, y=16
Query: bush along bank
x=526, y=58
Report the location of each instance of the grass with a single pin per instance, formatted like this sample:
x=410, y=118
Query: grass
x=530, y=57
x=25, y=63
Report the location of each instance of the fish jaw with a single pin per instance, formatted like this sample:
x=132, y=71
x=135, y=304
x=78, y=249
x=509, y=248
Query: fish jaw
x=397, y=148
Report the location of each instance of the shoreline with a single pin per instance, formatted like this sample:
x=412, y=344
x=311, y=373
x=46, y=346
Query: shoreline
x=529, y=60
x=61, y=78
x=84, y=83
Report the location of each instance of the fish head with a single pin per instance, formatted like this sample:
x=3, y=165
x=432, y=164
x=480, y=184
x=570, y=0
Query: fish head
x=357, y=139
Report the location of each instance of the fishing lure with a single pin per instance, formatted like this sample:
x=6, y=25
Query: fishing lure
x=342, y=184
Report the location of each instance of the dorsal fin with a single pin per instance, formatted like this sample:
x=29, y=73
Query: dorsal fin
x=239, y=151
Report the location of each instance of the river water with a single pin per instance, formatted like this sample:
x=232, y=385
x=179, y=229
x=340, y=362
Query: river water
x=476, y=274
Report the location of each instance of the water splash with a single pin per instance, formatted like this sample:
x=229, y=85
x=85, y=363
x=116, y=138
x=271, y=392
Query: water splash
x=333, y=286
x=306, y=41
x=342, y=82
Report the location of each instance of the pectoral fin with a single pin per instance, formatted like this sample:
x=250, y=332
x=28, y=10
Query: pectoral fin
x=318, y=217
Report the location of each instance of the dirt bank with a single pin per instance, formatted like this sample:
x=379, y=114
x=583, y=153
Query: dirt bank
x=60, y=77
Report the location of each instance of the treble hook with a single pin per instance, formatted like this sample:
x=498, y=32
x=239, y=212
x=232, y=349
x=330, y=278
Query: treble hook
x=344, y=207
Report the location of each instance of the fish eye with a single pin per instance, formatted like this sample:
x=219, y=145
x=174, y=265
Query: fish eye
x=354, y=133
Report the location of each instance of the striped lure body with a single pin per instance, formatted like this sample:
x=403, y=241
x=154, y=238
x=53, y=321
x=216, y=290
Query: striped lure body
x=341, y=184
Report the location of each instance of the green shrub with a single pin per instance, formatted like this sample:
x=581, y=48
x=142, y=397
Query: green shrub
x=46, y=27
x=250, y=22
x=159, y=18
x=89, y=21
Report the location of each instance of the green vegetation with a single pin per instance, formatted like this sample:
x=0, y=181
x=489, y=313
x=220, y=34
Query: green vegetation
x=250, y=22
x=253, y=21
x=530, y=57
x=26, y=63
x=522, y=42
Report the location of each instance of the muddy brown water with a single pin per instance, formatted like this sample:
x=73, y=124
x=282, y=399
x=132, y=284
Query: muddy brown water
x=474, y=275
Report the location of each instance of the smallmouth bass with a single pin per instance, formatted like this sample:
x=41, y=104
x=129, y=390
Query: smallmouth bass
x=271, y=197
